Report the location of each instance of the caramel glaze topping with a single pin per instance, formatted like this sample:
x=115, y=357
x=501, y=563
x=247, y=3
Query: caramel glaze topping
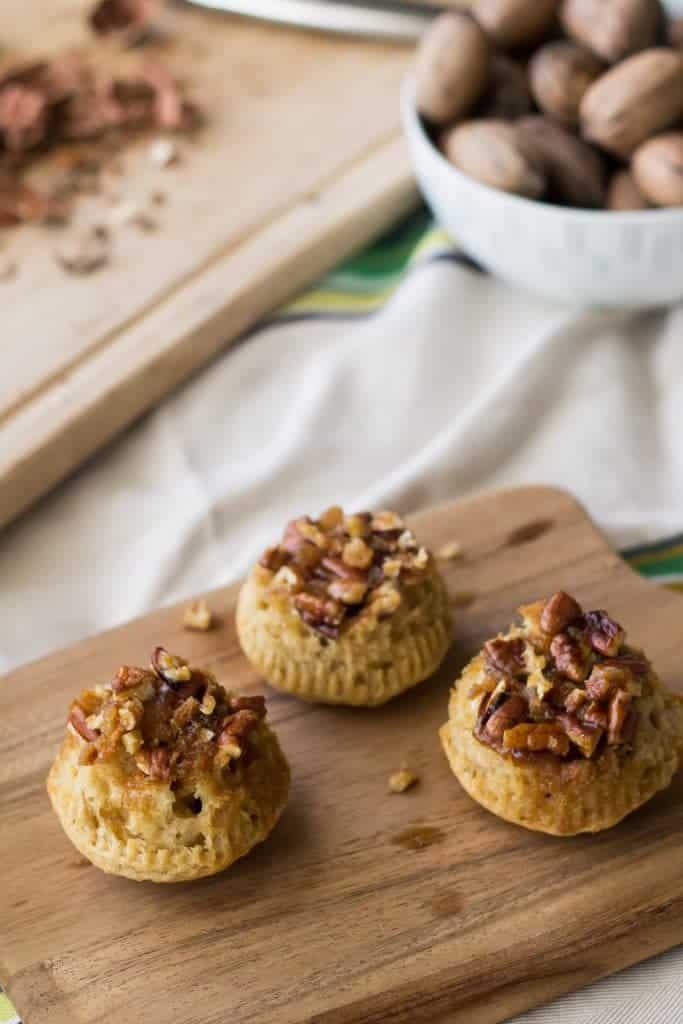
x=336, y=567
x=168, y=721
x=564, y=683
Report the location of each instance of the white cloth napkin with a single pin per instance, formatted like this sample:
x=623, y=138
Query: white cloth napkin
x=459, y=384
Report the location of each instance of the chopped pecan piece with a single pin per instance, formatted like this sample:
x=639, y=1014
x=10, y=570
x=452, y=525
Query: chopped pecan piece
x=630, y=662
x=386, y=521
x=594, y=714
x=78, y=720
x=558, y=613
x=604, y=634
x=400, y=781
x=605, y=680
x=537, y=737
x=358, y=525
x=198, y=617
x=155, y=763
x=506, y=656
x=308, y=556
x=170, y=667
x=357, y=554
x=322, y=613
x=348, y=591
x=238, y=726
x=186, y=712
x=245, y=703
x=273, y=558
x=571, y=655
x=128, y=678
x=619, y=707
x=511, y=712
x=574, y=700
x=583, y=735
x=331, y=518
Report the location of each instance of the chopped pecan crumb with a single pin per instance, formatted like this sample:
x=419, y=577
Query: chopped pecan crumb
x=197, y=616
x=400, y=781
x=338, y=567
x=165, y=723
x=559, y=612
x=563, y=673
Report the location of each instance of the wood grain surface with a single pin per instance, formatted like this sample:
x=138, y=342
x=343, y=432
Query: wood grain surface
x=301, y=161
x=362, y=906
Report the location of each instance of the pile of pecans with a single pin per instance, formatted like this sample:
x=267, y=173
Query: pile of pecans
x=339, y=566
x=168, y=721
x=70, y=106
x=565, y=683
x=576, y=102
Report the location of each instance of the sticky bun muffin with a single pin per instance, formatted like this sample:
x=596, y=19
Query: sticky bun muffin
x=559, y=725
x=345, y=610
x=165, y=776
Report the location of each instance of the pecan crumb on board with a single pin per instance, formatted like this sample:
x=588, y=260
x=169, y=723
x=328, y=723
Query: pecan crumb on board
x=74, y=113
x=399, y=782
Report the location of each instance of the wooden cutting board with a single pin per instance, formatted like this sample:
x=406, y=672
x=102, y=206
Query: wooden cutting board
x=362, y=906
x=300, y=163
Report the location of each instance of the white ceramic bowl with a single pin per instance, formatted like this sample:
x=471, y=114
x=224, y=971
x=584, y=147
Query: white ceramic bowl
x=585, y=257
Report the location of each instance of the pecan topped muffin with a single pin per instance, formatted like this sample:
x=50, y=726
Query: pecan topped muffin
x=165, y=775
x=346, y=609
x=559, y=725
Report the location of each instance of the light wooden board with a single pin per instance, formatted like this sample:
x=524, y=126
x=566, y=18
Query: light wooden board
x=337, y=918
x=300, y=163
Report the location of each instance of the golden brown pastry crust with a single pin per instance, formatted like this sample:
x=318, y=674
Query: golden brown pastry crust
x=186, y=821
x=392, y=639
x=564, y=795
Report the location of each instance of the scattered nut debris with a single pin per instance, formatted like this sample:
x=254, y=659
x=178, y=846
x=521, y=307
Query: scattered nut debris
x=164, y=152
x=158, y=198
x=198, y=617
x=450, y=551
x=70, y=108
x=399, y=782
x=123, y=17
x=85, y=254
x=145, y=222
x=8, y=268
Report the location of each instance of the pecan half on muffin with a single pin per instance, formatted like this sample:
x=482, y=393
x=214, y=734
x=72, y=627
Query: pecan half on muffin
x=559, y=725
x=345, y=610
x=165, y=776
